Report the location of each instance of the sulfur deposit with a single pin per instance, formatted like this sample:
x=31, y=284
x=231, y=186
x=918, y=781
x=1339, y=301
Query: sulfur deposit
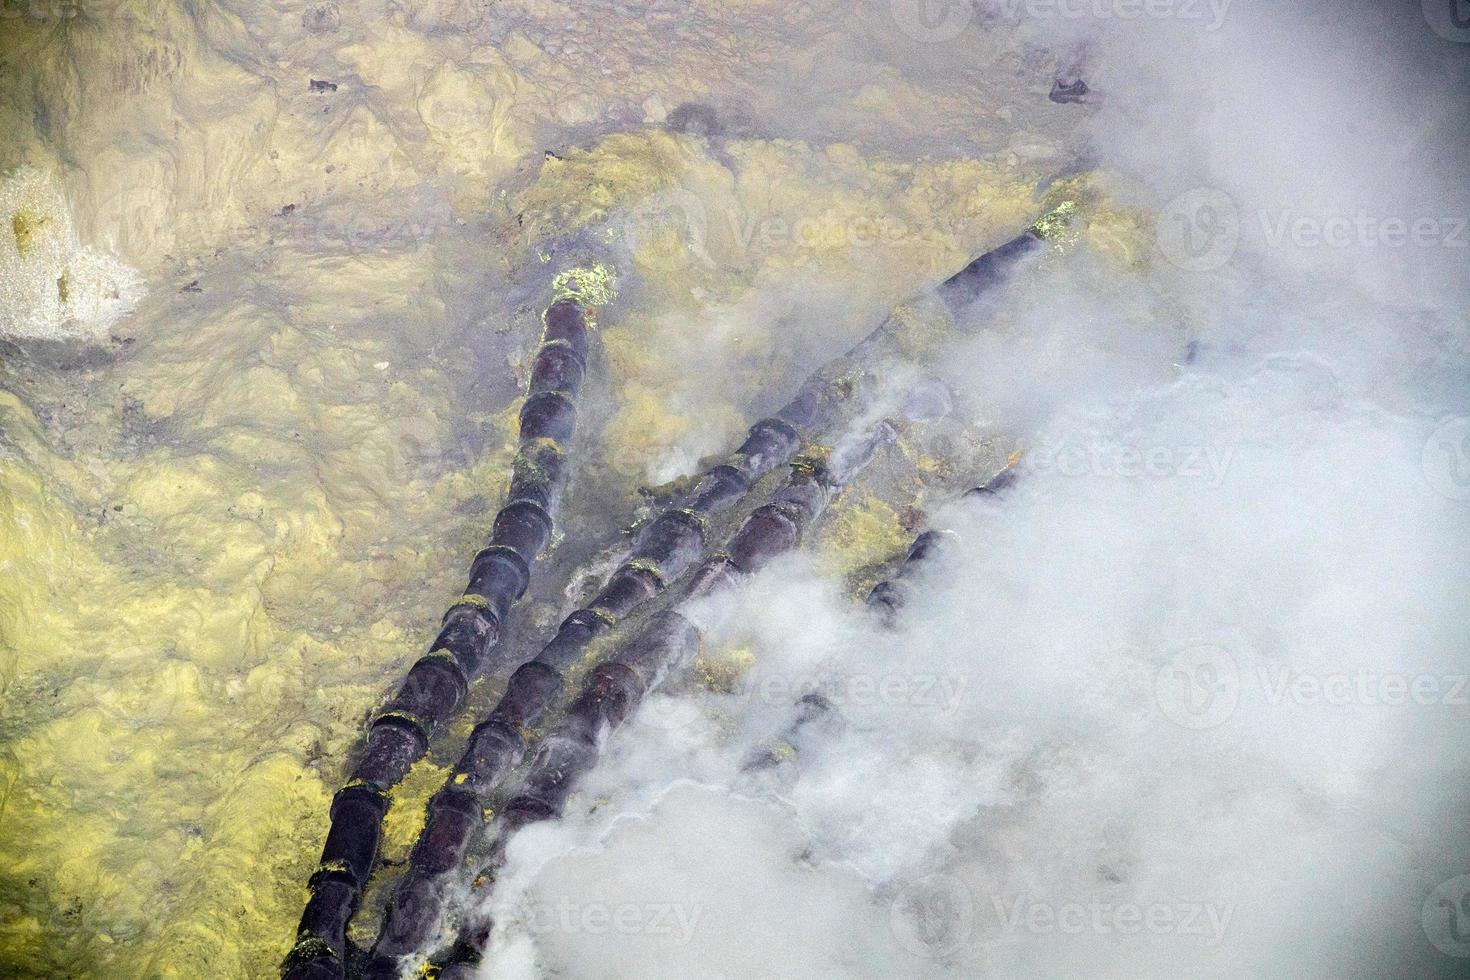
x=51, y=286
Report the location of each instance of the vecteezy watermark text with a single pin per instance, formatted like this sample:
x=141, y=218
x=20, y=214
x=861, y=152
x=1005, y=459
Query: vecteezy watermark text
x=938, y=914
x=1202, y=919
x=1209, y=13
x=1281, y=685
x=938, y=21
x=1200, y=229
x=1361, y=229
x=671, y=920
x=920, y=690
x=1201, y=687
x=1115, y=460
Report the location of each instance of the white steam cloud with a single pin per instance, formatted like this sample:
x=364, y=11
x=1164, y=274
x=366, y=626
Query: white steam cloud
x=1190, y=700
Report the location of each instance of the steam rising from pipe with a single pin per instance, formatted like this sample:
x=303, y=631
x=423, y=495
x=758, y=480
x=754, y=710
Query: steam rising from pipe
x=1190, y=701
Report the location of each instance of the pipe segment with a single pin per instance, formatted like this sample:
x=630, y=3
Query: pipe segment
x=438, y=682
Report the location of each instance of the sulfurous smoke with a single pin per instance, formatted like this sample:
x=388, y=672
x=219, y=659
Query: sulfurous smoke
x=1190, y=699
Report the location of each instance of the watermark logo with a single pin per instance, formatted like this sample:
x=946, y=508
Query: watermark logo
x=1445, y=459
x=321, y=18
x=805, y=13
x=675, y=212
x=46, y=10
x=401, y=451
x=932, y=21
x=1199, y=230
x=1198, y=688
x=933, y=917
x=429, y=16
x=120, y=222
x=1445, y=917
x=668, y=712
x=62, y=922
x=1450, y=19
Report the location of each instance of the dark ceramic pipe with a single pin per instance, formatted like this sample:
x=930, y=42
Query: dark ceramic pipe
x=435, y=687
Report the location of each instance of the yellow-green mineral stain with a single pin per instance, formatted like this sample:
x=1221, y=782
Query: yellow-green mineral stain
x=1054, y=226
x=593, y=285
x=860, y=530
x=25, y=227
x=721, y=670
